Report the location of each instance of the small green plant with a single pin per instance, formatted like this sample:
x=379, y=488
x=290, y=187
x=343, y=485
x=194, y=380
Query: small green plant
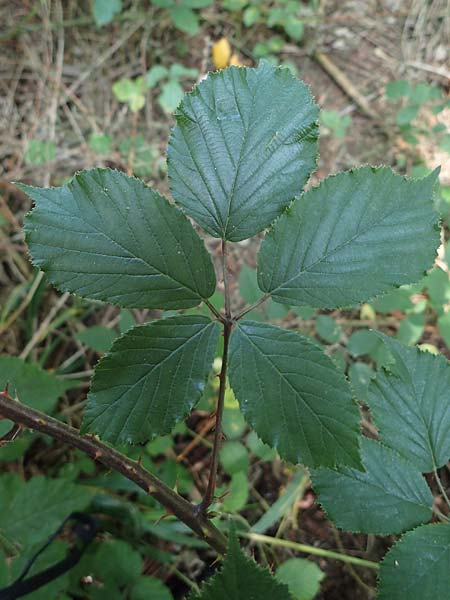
x=283, y=14
x=238, y=159
x=39, y=152
x=183, y=14
x=132, y=91
x=169, y=83
x=413, y=99
x=336, y=123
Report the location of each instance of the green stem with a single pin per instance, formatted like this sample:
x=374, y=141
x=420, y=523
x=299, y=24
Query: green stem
x=265, y=539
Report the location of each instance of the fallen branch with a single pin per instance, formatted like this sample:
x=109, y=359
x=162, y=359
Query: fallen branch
x=345, y=84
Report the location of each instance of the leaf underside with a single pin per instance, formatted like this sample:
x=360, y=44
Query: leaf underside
x=151, y=379
x=358, y=234
x=410, y=405
x=293, y=396
x=390, y=496
x=244, y=145
x=417, y=567
x=107, y=236
x=240, y=578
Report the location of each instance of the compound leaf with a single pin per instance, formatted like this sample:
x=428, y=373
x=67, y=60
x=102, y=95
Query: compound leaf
x=356, y=235
x=151, y=379
x=244, y=145
x=293, y=395
x=240, y=578
x=107, y=236
x=410, y=405
x=417, y=567
x=390, y=496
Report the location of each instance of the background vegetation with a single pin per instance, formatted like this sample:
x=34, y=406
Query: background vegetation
x=95, y=83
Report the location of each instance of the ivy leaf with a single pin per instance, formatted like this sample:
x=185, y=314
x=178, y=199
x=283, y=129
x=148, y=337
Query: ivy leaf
x=151, y=379
x=240, y=578
x=107, y=236
x=392, y=496
x=293, y=395
x=356, y=235
x=240, y=152
x=410, y=406
x=33, y=510
x=417, y=566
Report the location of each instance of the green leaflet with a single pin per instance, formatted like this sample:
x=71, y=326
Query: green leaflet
x=293, y=396
x=417, y=567
x=107, y=236
x=390, y=496
x=410, y=405
x=151, y=379
x=240, y=578
x=356, y=235
x=244, y=145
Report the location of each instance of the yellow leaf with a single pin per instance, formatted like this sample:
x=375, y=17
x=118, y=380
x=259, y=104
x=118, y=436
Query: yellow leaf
x=234, y=61
x=221, y=53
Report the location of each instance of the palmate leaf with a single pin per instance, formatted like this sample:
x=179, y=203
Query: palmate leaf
x=390, y=496
x=356, y=235
x=244, y=145
x=417, y=567
x=410, y=404
x=151, y=379
x=293, y=395
x=240, y=578
x=107, y=236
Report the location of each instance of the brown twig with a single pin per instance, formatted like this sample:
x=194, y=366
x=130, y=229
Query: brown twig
x=110, y=458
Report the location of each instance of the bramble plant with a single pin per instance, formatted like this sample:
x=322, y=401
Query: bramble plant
x=243, y=148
